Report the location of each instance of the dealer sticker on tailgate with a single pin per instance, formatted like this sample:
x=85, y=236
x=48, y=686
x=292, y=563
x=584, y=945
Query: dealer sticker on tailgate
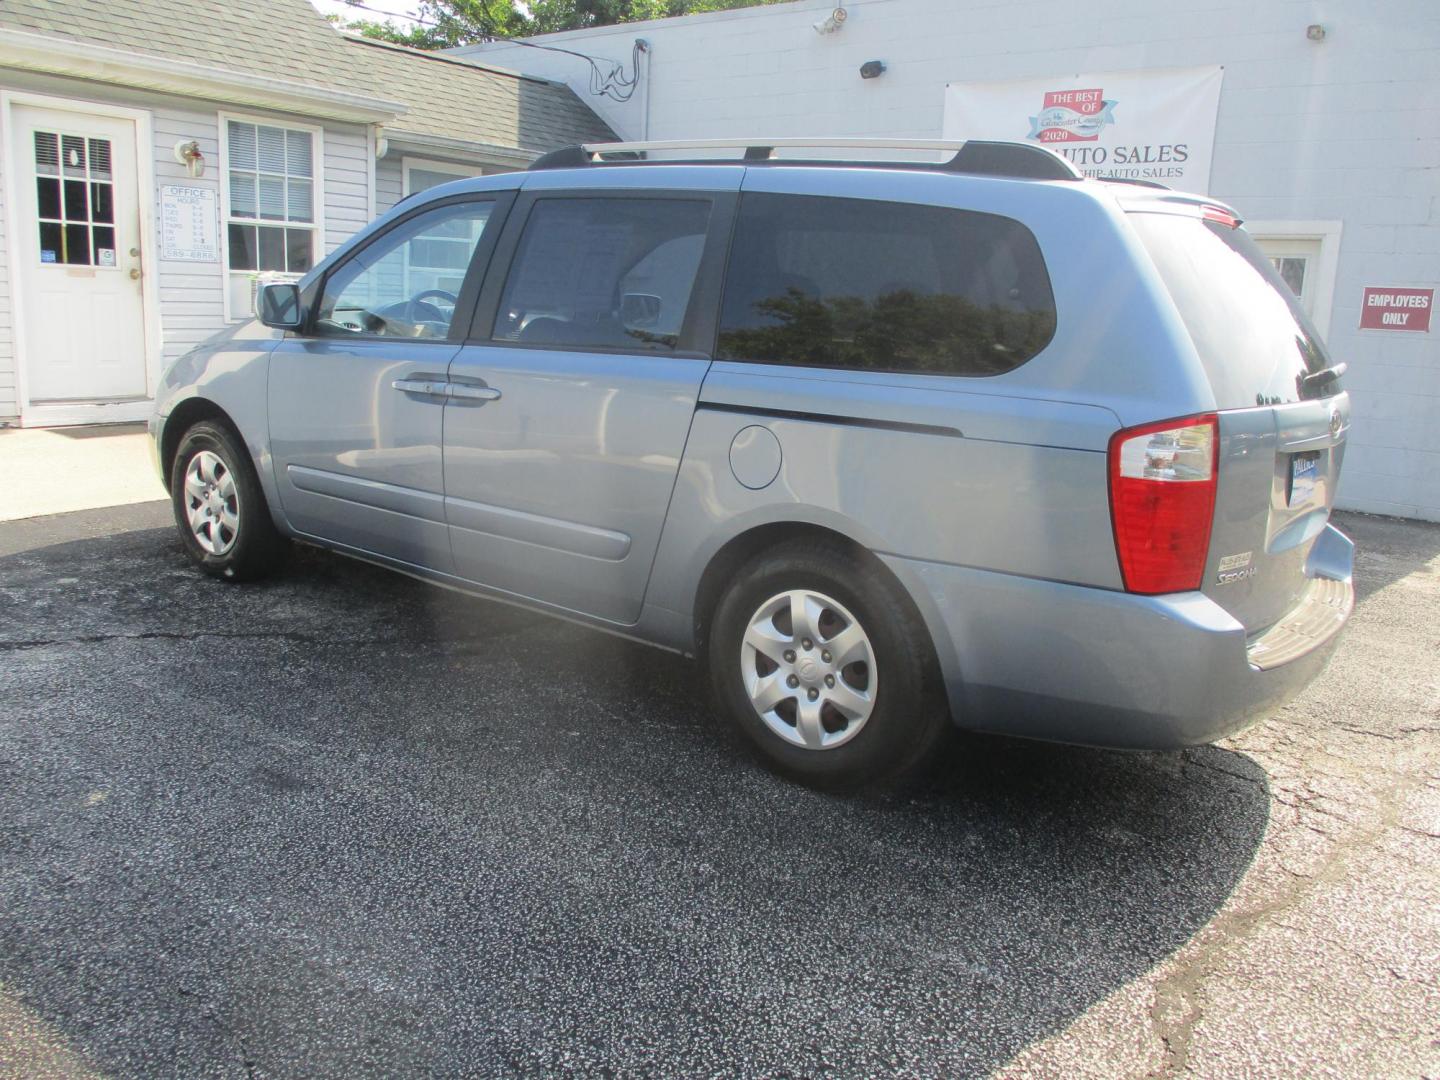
x=1304, y=471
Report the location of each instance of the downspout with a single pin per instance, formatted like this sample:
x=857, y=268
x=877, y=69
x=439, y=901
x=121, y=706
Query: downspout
x=374, y=140
x=644, y=47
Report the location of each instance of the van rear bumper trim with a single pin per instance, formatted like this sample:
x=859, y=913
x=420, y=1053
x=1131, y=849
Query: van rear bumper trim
x=1322, y=611
x=1081, y=664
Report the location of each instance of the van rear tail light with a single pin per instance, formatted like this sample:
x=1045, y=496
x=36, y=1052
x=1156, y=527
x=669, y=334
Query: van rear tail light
x=1162, y=502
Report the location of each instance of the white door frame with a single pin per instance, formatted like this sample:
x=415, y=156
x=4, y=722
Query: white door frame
x=10, y=169
x=1328, y=234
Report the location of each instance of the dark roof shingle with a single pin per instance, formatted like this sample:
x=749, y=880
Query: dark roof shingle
x=457, y=99
x=289, y=40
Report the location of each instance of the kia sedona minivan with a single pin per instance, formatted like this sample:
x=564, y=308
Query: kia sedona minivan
x=888, y=444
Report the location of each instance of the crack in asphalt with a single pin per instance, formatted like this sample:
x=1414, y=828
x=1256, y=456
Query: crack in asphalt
x=292, y=636
x=207, y=1012
x=1180, y=991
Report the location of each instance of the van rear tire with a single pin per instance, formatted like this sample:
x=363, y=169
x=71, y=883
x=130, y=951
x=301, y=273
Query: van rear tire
x=823, y=665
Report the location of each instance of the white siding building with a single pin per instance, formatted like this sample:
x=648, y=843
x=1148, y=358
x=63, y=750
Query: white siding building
x=158, y=157
x=1326, y=139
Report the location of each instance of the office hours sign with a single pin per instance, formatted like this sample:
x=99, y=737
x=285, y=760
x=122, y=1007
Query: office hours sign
x=1156, y=124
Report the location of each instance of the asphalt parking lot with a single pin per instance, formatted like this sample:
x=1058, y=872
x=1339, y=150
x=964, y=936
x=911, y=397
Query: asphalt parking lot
x=342, y=823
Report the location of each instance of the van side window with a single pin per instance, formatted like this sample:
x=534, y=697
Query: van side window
x=604, y=273
x=858, y=283
x=407, y=282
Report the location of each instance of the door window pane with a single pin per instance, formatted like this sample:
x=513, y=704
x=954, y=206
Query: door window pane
x=855, y=283
x=76, y=208
x=48, y=194
x=608, y=273
x=77, y=245
x=52, y=240
x=104, y=238
x=388, y=289
x=102, y=204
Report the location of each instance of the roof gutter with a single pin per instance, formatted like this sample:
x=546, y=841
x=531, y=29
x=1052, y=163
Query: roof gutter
x=101, y=63
x=487, y=153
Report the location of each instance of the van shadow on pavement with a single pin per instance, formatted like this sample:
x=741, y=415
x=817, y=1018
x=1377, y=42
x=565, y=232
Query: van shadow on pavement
x=344, y=823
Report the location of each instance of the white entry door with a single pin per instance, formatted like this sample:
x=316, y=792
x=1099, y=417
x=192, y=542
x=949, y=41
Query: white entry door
x=77, y=256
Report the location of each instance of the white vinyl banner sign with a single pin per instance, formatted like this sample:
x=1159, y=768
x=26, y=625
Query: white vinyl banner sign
x=1138, y=125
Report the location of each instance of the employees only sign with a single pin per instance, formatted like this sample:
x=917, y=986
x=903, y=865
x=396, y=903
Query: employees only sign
x=1396, y=309
x=1156, y=124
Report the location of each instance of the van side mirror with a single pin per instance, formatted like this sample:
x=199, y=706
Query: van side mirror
x=278, y=305
x=639, y=310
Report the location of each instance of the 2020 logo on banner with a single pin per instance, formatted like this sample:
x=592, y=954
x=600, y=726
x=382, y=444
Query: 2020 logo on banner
x=1156, y=124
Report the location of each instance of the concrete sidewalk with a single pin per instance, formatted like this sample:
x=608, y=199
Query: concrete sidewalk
x=56, y=470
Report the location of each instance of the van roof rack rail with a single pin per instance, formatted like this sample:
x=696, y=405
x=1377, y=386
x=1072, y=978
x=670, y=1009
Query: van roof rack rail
x=977, y=157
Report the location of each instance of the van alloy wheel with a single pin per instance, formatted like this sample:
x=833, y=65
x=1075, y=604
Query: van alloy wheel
x=212, y=503
x=809, y=669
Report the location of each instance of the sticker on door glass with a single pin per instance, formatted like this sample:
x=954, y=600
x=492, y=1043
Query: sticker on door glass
x=47, y=256
x=104, y=256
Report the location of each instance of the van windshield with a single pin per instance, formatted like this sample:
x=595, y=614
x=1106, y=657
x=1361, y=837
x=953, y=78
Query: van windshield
x=1254, y=339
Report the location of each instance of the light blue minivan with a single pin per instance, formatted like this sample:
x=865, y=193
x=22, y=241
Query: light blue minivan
x=888, y=443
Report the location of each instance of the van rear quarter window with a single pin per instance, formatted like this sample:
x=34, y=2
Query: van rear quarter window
x=863, y=284
x=1255, y=341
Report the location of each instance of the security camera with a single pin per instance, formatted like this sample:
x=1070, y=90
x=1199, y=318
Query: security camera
x=831, y=22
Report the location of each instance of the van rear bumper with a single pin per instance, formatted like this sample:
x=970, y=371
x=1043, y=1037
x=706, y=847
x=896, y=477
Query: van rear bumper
x=1070, y=663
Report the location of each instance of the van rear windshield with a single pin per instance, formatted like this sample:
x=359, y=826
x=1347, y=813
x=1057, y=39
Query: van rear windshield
x=1254, y=339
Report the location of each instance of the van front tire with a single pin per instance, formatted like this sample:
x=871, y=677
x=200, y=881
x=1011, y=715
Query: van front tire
x=824, y=667
x=220, y=510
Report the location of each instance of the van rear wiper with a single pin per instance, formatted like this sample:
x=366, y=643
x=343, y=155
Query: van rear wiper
x=1324, y=377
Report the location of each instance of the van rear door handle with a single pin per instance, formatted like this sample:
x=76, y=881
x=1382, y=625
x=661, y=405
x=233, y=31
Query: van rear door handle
x=466, y=392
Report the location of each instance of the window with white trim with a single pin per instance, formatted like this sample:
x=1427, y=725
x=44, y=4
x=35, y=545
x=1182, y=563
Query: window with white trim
x=419, y=174
x=271, y=212
x=443, y=257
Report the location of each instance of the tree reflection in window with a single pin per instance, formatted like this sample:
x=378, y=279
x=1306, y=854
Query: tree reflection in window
x=864, y=284
x=898, y=331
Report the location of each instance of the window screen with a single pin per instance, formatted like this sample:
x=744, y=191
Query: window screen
x=607, y=273
x=855, y=283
